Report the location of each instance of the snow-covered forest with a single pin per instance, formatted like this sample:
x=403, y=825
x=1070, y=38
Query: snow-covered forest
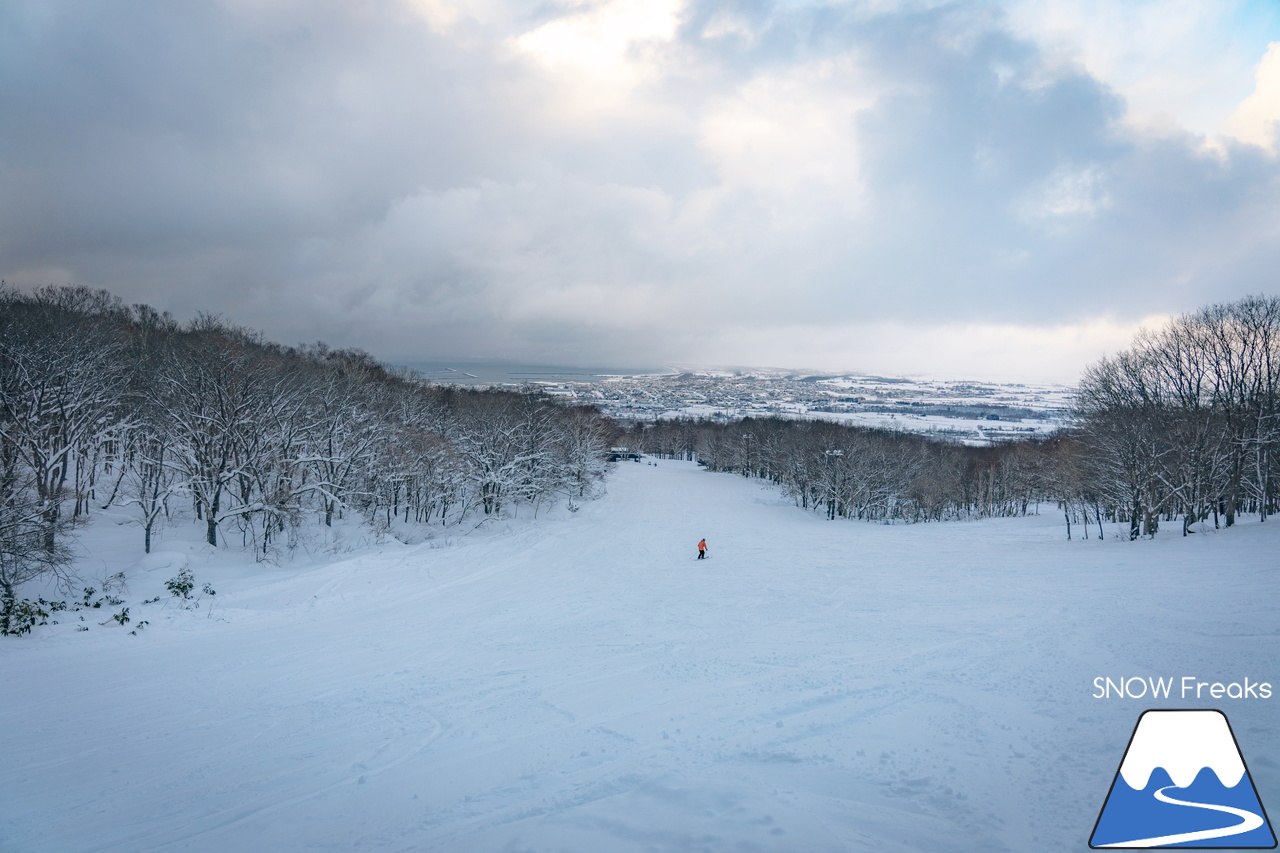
x=1186, y=423
x=107, y=405
x=863, y=472
x=1183, y=425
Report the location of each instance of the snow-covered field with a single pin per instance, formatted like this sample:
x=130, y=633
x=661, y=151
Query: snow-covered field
x=975, y=413
x=972, y=431
x=582, y=683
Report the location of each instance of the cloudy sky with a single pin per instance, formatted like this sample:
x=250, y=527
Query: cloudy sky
x=991, y=189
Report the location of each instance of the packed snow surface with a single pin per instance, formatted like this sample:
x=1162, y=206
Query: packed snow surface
x=582, y=683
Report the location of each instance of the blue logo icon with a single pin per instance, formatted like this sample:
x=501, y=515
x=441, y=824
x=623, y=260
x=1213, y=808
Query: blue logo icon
x=1183, y=783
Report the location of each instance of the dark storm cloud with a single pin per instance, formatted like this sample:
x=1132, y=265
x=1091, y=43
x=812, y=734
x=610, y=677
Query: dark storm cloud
x=442, y=184
x=140, y=130
x=995, y=186
x=1025, y=189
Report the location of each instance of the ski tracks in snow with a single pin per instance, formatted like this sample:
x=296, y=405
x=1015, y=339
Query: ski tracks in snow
x=584, y=683
x=388, y=754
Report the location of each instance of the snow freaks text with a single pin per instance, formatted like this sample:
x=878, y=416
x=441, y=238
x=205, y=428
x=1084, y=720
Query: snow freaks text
x=1186, y=687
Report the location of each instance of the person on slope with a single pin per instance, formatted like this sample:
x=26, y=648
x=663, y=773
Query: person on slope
x=702, y=550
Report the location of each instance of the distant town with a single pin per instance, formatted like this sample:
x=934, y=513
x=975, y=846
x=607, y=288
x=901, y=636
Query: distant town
x=967, y=411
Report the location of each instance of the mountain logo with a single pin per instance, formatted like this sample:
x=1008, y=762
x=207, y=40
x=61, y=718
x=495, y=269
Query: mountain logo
x=1183, y=783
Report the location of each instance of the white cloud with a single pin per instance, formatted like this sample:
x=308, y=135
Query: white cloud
x=725, y=24
x=788, y=129
x=1179, y=64
x=599, y=53
x=1255, y=119
x=1069, y=191
x=440, y=15
x=1055, y=352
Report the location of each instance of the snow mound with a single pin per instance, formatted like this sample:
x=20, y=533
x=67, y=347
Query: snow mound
x=175, y=560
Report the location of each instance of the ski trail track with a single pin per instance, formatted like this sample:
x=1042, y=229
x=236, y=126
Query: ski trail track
x=1248, y=822
x=584, y=683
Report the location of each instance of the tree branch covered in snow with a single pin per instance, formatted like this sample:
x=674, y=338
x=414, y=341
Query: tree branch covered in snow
x=1187, y=421
x=104, y=404
x=1185, y=424
x=860, y=472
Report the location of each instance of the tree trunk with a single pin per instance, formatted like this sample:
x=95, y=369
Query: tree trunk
x=1233, y=490
x=211, y=520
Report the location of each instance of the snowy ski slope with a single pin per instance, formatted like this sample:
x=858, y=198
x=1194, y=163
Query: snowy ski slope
x=582, y=683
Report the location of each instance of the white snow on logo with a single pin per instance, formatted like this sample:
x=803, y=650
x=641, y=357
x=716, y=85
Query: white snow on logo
x=1183, y=743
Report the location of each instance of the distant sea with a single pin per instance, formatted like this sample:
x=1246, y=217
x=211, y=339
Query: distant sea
x=478, y=372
